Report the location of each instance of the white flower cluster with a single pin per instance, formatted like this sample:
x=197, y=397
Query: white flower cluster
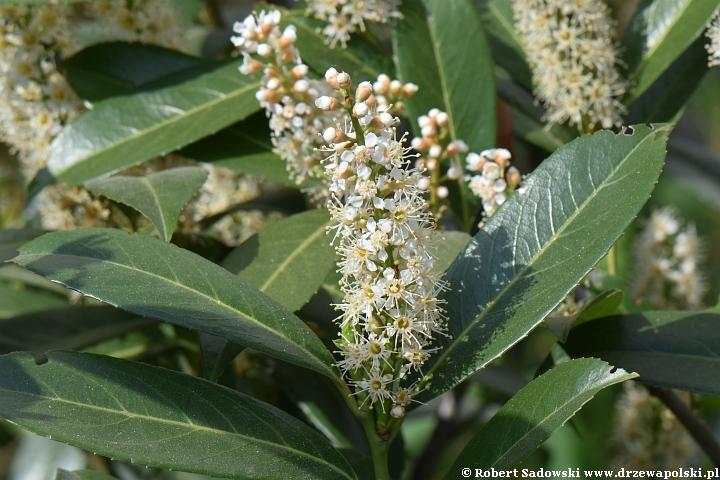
x=570, y=49
x=385, y=231
x=154, y=22
x=288, y=95
x=344, y=17
x=497, y=178
x=648, y=436
x=713, y=33
x=35, y=100
x=667, y=263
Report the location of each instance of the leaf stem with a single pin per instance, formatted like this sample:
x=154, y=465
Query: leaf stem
x=379, y=446
x=612, y=260
x=695, y=425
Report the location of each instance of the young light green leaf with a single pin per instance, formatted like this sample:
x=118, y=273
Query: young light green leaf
x=160, y=196
x=115, y=68
x=163, y=281
x=124, y=131
x=540, y=244
x=669, y=349
x=160, y=418
x=288, y=260
x=15, y=301
x=659, y=33
x=66, y=328
x=11, y=240
x=362, y=59
x=440, y=45
x=535, y=412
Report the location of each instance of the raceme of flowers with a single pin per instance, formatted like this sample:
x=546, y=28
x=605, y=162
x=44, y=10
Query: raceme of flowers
x=288, y=95
x=648, y=435
x=345, y=17
x=667, y=263
x=570, y=49
x=496, y=180
x=713, y=33
x=384, y=230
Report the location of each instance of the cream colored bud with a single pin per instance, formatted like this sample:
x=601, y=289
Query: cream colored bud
x=512, y=176
x=409, y=89
x=433, y=113
x=452, y=149
x=360, y=110
x=301, y=86
x=423, y=183
x=344, y=80
x=442, y=192
x=398, y=411
x=299, y=71
x=331, y=77
x=428, y=131
x=386, y=119
x=273, y=84
x=329, y=134
x=431, y=164
x=327, y=103
x=382, y=85
x=435, y=151
x=454, y=172
x=264, y=50
x=395, y=87
x=442, y=119
x=371, y=101
x=363, y=91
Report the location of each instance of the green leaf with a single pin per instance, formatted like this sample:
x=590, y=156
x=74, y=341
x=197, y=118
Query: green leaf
x=362, y=59
x=160, y=196
x=15, y=301
x=535, y=412
x=540, y=244
x=602, y=305
x=669, y=349
x=450, y=245
x=217, y=353
x=526, y=116
x=659, y=33
x=665, y=99
x=508, y=53
x=440, y=45
x=11, y=240
x=63, y=474
x=124, y=131
x=116, y=68
x=288, y=260
x=160, y=418
x=156, y=279
x=66, y=328
x=244, y=147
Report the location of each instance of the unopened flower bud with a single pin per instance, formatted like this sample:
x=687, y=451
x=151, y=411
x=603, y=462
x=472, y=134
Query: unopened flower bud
x=331, y=77
x=360, y=110
x=301, y=86
x=424, y=121
x=442, y=192
x=299, y=71
x=431, y=164
x=290, y=33
x=382, y=85
x=273, y=84
x=454, y=172
x=371, y=101
x=398, y=411
x=423, y=183
x=327, y=103
x=452, y=149
x=435, y=151
x=264, y=50
x=512, y=176
x=329, y=134
x=428, y=131
x=344, y=80
x=395, y=87
x=433, y=113
x=363, y=91
x=409, y=89
x=442, y=119
x=386, y=119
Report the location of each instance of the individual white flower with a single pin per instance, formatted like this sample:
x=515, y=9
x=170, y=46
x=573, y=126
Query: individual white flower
x=667, y=262
x=713, y=33
x=570, y=49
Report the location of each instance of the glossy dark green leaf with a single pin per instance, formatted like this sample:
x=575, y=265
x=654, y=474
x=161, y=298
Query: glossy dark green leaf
x=116, y=68
x=540, y=244
x=526, y=116
x=669, y=349
x=13, y=273
x=535, y=412
x=160, y=196
x=506, y=45
x=440, y=45
x=160, y=418
x=15, y=301
x=63, y=474
x=362, y=59
x=12, y=239
x=659, y=33
x=450, y=245
x=603, y=305
x=217, y=353
x=124, y=131
x=288, y=260
x=244, y=147
x=66, y=328
x=163, y=281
